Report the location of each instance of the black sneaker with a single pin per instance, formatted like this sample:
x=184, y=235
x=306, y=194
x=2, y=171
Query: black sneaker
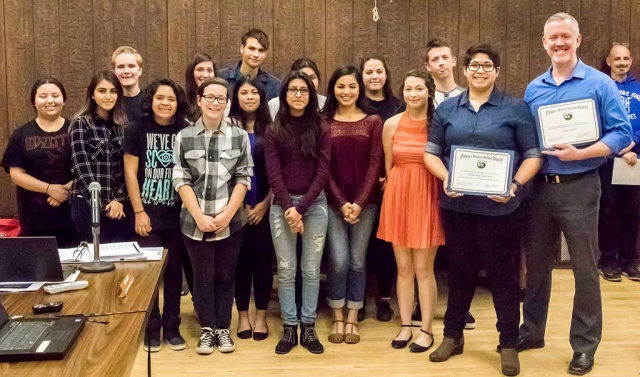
x=174, y=340
x=207, y=341
x=416, y=317
x=469, y=322
x=288, y=340
x=224, y=341
x=611, y=273
x=631, y=272
x=309, y=339
x=362, y=314
x=384, y=312
x=152, y=341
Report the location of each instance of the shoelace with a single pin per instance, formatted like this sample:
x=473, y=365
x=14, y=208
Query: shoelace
x=224, y=338
x=310, y=334
x=206, y=339
x=287, y=335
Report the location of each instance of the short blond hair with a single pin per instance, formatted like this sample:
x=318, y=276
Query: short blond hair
x=126, y=50
x=563, y=16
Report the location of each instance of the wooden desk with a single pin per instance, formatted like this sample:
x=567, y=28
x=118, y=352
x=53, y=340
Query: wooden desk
x=101, y=349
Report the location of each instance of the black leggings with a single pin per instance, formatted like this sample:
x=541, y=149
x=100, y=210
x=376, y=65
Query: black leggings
x=254, y=264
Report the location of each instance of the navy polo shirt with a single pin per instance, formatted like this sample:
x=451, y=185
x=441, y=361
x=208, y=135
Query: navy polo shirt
x=503, y=122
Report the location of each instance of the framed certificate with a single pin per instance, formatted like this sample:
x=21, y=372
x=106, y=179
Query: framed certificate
x=477, y=171
x=574, y=122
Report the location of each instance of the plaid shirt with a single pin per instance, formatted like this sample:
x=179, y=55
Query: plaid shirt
x=96, y=157
x=212, y=163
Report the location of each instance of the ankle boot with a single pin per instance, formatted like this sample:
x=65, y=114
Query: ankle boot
x=449, y=347
x=510, y=362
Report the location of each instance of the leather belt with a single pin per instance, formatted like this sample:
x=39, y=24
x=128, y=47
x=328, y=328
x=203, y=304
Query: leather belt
x=562, y=178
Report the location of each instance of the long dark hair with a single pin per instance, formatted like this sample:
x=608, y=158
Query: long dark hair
x=331, y=105
x=311, y=116
x=47, y=80
x=431, y=87
x=306, y=63
x=190, y=80
x=118, y=114
x=151, y=89
x=386, y=89
x=263, y=118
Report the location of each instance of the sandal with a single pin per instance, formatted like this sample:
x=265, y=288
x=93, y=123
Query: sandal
x=350, y=337
x=415, y=347
x=401, y=343
x=336, y=337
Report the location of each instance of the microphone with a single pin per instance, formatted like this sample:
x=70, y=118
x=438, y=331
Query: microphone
x=95, y=188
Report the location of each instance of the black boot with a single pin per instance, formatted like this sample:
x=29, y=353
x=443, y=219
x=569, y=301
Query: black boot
x=309, y=338
x=288, y=340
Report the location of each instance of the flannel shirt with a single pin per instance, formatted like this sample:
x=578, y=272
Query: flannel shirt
x=212, y=163
x=96, y=157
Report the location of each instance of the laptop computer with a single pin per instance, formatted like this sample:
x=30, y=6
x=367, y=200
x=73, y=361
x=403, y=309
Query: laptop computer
x=29, y=339
x=30, y=259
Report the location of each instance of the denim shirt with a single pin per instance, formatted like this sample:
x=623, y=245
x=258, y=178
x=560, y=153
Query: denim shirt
x=271, y=83
x=503, y=122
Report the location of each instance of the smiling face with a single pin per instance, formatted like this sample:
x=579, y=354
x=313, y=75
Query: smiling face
x=202, y=72
x=415, y=92
x=440, y=63
x=127, y=70
x=297, y=96
x=105, y=95
x=48, y=101
x=485, y=77
x=164, y=104
x=253, y=54
x=374, y=75
x=213, y=108
x=248, y=98
x=561, y=40
x=347, y=90
x=619, y=59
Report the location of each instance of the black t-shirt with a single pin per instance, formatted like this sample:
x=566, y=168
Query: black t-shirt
x=44, y=156
x=153, y=145
x=133, y=105
x=386, y=108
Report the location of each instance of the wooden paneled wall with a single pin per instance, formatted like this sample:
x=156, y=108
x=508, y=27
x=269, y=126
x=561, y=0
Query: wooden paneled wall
x=71, y=39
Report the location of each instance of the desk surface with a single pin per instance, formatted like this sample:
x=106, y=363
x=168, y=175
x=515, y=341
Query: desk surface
x=101, y=349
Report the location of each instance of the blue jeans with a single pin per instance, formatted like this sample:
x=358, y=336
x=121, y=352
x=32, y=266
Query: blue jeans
x=284, y=240
x=346, y=277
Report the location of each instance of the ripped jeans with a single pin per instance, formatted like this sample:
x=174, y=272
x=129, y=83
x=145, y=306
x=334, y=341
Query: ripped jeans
x=284, y=240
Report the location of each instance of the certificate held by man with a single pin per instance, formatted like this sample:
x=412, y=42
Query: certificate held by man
x=478, y=171
x=574, y=123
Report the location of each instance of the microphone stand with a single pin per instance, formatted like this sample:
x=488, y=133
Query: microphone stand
x=97, y=265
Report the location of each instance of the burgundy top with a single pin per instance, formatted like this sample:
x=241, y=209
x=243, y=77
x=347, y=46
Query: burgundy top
x=290, y=172
x=356, y=160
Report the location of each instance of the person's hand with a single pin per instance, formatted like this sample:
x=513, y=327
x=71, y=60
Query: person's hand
x=292, y=216
x=346, y=210
x=58, y=192
x=504, y=199
x=630, y=158
x=451, y=194
x=354, y=216
x=383, y=183
x=565, y=152
x=627, y=149
x=298, y=227
x=53, y=203
x=69, y=185
x=115, y=210
x=255, y=216
x=205, y=223
x=222, y=220
x=143, y=224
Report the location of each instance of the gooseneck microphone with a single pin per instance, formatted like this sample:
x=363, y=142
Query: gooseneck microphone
x=95, y=188
x=97, y=265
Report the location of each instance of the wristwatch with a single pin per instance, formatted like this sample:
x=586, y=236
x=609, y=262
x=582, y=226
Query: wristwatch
x=518, y=185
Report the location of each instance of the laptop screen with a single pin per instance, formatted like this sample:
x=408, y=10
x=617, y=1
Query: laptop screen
x=29, y=259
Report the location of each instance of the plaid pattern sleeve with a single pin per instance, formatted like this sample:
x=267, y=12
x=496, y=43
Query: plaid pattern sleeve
x=212, y=163
x=96, y=157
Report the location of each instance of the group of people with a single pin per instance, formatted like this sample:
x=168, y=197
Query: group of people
x=241, y=164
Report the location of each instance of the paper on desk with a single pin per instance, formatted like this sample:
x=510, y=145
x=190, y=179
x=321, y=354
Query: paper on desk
x=625, y=174
x=114, y=252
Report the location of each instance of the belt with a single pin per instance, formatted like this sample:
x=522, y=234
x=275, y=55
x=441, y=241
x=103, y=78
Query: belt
x=562, y=178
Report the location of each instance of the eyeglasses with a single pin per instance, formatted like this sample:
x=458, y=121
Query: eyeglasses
x=619, y=44
x=487, y=67
x=211, y=99
x=293, y=91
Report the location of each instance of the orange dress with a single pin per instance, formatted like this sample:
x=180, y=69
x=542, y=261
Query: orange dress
x=410, y=215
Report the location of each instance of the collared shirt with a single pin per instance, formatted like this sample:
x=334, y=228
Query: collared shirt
x=584, y=82
x=629, y=90
x=271, y=83
x=212, y=163
x=442, y=96
x=96, y=157
x=503, y=122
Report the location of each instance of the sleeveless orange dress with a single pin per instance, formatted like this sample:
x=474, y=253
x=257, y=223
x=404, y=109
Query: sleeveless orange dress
x=410, y=215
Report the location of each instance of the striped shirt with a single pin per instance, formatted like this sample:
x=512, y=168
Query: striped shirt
x=212, y=163
x=96, y=157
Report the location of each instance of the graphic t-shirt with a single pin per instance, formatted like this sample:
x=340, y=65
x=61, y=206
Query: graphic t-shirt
x=44, y=156
x=153, y=145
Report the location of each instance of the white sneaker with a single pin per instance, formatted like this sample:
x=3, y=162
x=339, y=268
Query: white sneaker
x=207, y=341
x=225, y=343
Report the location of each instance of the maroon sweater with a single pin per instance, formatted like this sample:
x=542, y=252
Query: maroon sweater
x=356, y=160
x=290, y=172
